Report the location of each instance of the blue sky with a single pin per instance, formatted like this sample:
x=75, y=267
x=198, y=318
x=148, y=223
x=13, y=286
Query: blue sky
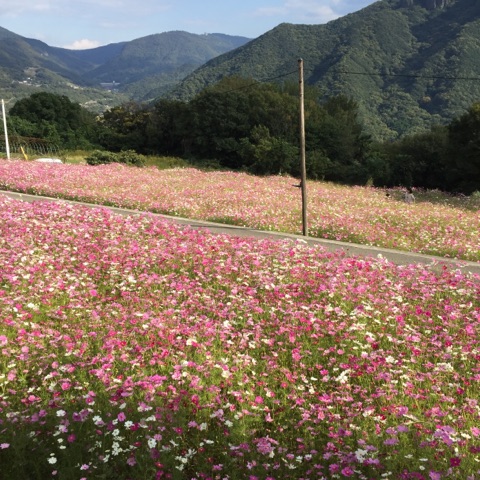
x=91, y=23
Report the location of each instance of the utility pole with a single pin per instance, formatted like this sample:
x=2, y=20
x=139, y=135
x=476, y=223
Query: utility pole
x=7, y=146
x=303, y=169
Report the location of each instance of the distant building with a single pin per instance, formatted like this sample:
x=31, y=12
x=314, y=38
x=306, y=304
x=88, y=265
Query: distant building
x=110, y=85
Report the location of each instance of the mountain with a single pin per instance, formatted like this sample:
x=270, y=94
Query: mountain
x=162, y=59
x=408, y=63
x=141, y=69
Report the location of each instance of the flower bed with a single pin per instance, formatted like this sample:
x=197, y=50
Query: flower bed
x=133, y=348
x=356, y=214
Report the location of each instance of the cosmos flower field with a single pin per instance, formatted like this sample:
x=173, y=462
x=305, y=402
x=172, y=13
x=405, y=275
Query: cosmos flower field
x=360, y=215
x=132, y=348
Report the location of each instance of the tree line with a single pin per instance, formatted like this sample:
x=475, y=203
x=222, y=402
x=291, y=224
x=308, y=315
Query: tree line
x=239, y=124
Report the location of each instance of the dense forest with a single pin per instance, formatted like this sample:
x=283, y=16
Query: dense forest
x=241, y=124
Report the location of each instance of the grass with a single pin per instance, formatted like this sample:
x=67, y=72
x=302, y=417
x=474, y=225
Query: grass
x=160, y=162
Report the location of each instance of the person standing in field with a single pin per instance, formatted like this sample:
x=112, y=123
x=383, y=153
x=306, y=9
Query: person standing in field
x=408, y=196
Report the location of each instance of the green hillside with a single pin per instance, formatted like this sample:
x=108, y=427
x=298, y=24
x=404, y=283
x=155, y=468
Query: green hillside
x=148, y=66
x=408, y=63
x=141, y=69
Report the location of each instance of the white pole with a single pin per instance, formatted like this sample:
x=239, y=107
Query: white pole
x=7, y=146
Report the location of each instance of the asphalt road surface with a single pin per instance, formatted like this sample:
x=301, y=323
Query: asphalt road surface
x=396, y=256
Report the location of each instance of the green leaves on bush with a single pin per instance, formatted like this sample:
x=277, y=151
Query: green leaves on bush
x=128, y=157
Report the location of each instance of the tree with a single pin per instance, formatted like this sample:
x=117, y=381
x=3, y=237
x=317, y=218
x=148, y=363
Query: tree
x=167, y=128
x=55, y=118
x=336, y=136
x=224, y=115
x=266, y=155
x=463, y=161
x=418, y=160
x=124, y=127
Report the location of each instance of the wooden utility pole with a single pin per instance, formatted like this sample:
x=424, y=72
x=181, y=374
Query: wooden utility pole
x=7, y=146
x=303, y=169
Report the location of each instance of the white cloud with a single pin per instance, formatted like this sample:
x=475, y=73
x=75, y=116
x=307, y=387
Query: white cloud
x=82, y=44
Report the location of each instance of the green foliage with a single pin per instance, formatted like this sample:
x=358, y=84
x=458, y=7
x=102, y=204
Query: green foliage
x=99, y=157
x=53, y=118
x=264, y=154
x=130, y=157
x=123, y=127
x=127, y=157
x=337, y=138
x=167, y=128
x=423, y=161
x=242, y=124
x=403, y=64
x=464, y=151
x=223, y=118
x=164, y=162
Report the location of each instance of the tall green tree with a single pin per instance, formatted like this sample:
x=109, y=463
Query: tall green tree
x=463, y=160
x=224, y=118
x=167, y=130
x=419, y=160
x=125, y=127
x=336, y=137
x=55, y=118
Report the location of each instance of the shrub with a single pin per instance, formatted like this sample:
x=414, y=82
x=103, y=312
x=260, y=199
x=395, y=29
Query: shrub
x=99, y=157
x=128, y=157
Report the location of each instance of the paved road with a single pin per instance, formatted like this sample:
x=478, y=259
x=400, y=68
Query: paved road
x=395, y=256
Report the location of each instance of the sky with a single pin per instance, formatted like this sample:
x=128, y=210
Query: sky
x=80, y=24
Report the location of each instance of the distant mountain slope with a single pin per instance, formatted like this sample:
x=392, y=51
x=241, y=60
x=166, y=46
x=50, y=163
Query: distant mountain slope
x=145, y=65
x=407, y=62
x=18, y=54
x=163, y=58
x=162, y=53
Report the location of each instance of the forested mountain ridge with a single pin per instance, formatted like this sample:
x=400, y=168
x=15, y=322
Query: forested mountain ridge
x=161, y=60
x=141, y=69
x=409, y=64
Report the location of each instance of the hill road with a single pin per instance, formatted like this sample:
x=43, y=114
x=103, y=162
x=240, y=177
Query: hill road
x=395, y=256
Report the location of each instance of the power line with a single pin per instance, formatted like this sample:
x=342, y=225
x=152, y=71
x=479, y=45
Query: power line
x=263, y=80
x=347, y=72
